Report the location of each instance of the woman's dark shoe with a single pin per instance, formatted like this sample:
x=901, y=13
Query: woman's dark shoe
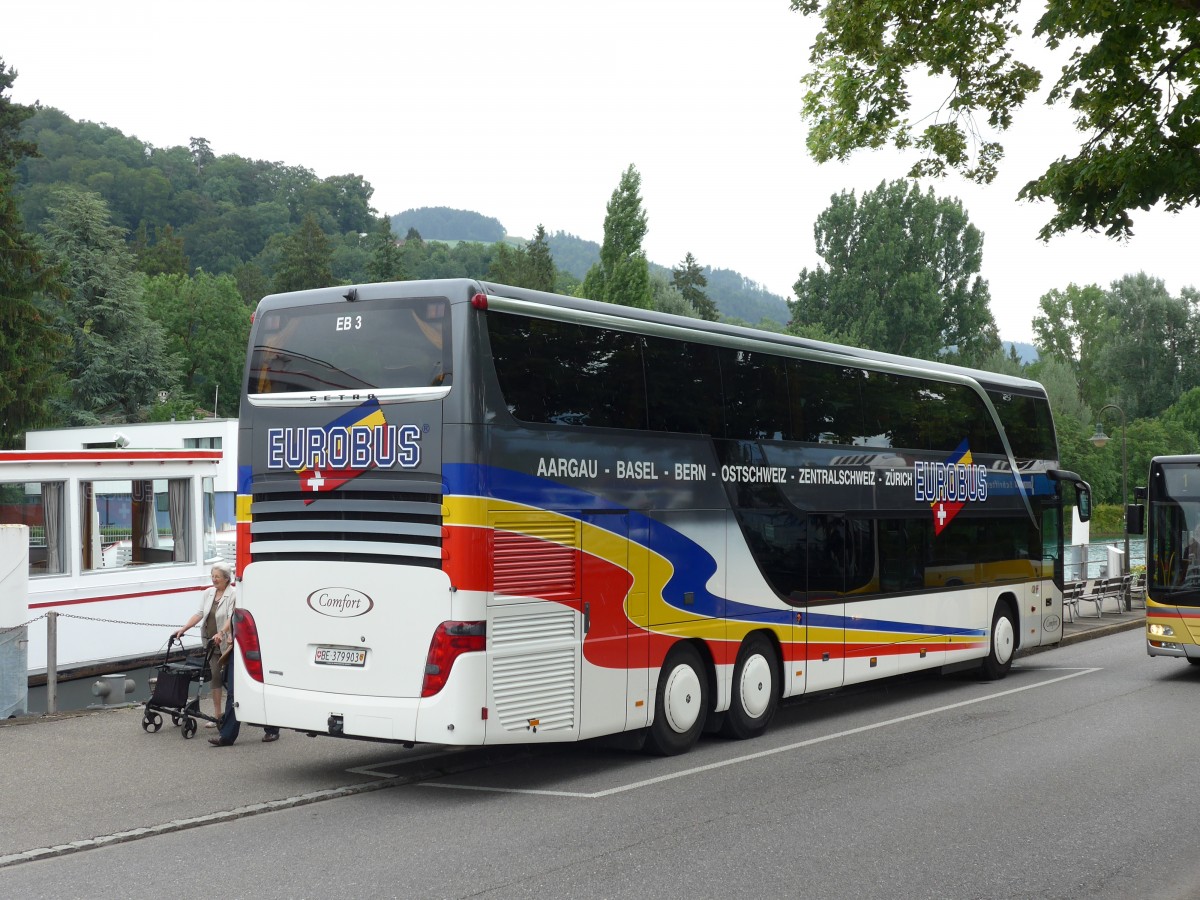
x=220, y=742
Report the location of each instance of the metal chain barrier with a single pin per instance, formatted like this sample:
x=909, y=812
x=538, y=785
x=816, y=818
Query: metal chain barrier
x=22, y=625
x=114, y=621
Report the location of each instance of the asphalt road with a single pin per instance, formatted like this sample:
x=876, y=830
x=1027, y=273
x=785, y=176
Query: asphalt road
x=1069, y=779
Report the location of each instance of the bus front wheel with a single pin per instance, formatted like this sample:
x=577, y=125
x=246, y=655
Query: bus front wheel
x=680, y=703
x=755, y=690
x=1002, y=644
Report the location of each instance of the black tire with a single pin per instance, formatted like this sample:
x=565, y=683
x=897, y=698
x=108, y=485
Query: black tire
x=755, y=691
x=146, y=724
x=189, y=728
x=680, y=703
x=1002, y=644
x=1193, y=660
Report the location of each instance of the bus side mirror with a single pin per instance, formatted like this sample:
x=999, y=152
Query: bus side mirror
x=1083, y=501
x=1135, y=518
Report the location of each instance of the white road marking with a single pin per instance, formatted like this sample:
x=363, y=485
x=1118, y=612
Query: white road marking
x=432, y=754
x=749, y=757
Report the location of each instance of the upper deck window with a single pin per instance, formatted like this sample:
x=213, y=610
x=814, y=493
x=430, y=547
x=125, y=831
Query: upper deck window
x=395, y=343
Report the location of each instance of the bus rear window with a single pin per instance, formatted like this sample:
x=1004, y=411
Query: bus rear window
x=395, y=343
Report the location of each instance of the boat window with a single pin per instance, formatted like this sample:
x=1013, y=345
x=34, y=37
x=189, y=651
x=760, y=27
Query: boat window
x=210, y=521
x=40, y=507
x=135, y=523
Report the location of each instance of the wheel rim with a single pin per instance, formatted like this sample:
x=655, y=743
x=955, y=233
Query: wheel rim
x=1002, y=640
x=756, y=687
x=681, y=698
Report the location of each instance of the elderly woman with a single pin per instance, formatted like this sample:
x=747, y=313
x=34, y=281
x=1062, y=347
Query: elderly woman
x=215, y=612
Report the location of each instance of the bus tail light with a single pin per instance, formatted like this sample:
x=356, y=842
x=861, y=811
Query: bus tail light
x=451, y=640
x=246, y=633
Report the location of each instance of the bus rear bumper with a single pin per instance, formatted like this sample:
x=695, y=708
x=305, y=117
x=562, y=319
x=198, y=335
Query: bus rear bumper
x=453, y=716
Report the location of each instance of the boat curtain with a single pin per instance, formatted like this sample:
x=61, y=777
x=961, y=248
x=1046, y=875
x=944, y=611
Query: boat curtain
x=149, y=523
x=53, y=493
x=181, y=519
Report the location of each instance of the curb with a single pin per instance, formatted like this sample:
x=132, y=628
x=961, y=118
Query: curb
x=1088, y=634
x=452, y=766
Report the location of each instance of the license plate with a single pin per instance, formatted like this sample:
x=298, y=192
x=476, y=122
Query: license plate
x=340, y=656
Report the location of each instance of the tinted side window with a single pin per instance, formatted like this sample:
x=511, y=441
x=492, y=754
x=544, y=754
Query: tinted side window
x=826, y=402
x=1028, y=423
x=923, y=414
x=756, y=396
x=566, y=374
x=683, y=387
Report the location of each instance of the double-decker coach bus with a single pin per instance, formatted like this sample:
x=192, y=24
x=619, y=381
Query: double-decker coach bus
x=1173, y=558
x=477, y=514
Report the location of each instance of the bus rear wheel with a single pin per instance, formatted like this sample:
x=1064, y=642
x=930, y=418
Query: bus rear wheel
x=1002, y=644
x=680, y=703
x=755, y=690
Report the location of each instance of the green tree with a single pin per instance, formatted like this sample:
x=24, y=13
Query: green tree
x=118, y=361
x=1185, y=412
x=206, y=326
x=304, y=260
x=29, y=346
x=690, y=281
x=902, y=277
x=202, y=152
x=386, y=263
x=667, y=298
x=1151, y=357
x=1073, y=326
x=507, y=265
x=252, y=283
x=165, y=256
x=622, y=275
x=1131, y=85
x=540, y=272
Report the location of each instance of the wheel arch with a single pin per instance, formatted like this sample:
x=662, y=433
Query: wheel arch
x=1009, y=599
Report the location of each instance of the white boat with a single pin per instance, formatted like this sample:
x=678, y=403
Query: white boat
x=121, y=544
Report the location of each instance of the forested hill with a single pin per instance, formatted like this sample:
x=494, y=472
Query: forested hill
x=190, y=208
x=735, y=295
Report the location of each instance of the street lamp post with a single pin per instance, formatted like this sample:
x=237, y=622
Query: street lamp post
x=1100, y=439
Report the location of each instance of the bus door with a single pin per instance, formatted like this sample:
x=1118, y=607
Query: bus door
x=823, y=628
x=613, y=600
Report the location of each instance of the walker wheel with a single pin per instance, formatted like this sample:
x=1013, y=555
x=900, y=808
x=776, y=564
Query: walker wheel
x=146, y=724
x=189, y=728
x=155, y=722
x=176, y=719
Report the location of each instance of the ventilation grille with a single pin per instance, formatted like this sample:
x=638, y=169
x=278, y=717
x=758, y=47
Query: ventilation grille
x=384, y=519
x=536, y=691
x=532, y=628
x=536, y=558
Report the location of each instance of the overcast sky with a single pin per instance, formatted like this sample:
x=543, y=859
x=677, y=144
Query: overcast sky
x=529, y=111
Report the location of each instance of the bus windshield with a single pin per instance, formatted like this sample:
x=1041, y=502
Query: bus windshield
x=343, y=346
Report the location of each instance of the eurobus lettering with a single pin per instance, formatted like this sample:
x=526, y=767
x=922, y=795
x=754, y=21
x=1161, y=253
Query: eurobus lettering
x=953, y=482
x=340, y=447
x=598, y=519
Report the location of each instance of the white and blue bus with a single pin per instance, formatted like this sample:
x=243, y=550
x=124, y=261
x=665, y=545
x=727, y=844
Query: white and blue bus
x=478, y=514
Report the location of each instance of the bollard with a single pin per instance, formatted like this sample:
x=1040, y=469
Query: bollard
x=111, y=689
x=51, y=662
